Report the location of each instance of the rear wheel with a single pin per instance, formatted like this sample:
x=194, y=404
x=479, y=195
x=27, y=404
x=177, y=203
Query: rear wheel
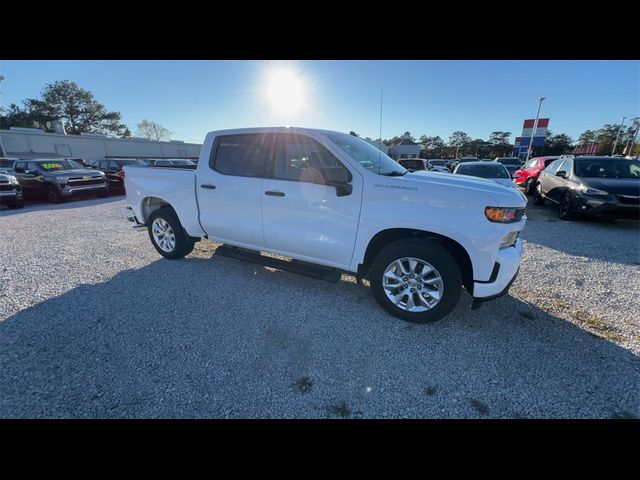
x=167, y=235
x=16, y=205
x=538, y=199
x=564, y=208
x=416, y=280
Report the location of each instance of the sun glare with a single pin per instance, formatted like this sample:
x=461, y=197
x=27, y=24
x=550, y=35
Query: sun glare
x=285, y=91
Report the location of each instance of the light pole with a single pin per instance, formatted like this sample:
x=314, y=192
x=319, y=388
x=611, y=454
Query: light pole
x=535, y=127
x=615, y=144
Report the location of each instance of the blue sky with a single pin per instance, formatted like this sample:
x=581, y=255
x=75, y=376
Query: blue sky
x=191, y=98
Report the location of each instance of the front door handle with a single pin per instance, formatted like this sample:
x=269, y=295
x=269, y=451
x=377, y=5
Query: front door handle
x=274, y=193
x=208, y=186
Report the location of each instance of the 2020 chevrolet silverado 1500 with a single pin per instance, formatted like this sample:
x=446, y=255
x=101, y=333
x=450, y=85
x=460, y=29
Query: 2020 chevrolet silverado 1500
x=333, y=199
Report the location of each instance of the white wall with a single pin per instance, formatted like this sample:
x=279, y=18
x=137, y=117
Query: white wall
x=31, y=144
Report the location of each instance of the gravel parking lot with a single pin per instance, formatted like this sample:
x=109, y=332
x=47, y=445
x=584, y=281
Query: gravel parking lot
x=93, y=323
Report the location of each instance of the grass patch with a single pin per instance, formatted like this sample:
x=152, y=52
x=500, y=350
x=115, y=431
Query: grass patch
x=304, y=384
x=599, y=326
x=480, y=407
x=431, y=391
x=341, y=409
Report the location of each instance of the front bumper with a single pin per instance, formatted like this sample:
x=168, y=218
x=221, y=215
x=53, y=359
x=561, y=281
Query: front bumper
x=9, y=197
x=508, y=260
x=605, y=207
x=68, y=191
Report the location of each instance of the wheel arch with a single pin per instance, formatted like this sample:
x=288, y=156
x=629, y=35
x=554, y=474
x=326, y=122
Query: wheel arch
x=150, y=204
x=385, y=237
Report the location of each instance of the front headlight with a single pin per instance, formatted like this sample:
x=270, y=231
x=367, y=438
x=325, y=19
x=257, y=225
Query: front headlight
x=591, y=191
x=62, y=179
x=504, y=215
x=13, y=181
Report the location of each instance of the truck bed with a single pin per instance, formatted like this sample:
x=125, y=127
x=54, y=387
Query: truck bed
x=175, y=186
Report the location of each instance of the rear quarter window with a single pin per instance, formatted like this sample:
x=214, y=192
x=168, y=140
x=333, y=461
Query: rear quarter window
x=243, y=155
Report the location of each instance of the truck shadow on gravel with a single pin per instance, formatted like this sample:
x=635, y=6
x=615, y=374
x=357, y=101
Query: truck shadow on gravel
x=217, y=337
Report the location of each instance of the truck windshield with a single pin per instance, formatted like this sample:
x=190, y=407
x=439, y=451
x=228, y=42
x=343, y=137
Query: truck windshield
x=367, y=155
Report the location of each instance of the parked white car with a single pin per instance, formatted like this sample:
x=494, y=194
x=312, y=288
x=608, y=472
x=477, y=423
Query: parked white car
x=490, y=170
x=333, y=199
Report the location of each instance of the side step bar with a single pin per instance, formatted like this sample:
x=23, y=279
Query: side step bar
x=294, y=266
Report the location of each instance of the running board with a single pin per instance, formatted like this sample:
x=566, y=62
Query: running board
x=294, y=266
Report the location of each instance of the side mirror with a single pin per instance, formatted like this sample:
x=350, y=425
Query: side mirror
x=561, y=173
x=338, y=177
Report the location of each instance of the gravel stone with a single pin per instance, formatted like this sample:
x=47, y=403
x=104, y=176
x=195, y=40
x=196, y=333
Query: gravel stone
x=95, y=324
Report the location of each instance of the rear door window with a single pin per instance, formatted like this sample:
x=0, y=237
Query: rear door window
x=243, y=155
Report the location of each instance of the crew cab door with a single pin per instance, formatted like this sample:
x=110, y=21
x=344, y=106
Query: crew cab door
x=229, y=189
x=303, y=215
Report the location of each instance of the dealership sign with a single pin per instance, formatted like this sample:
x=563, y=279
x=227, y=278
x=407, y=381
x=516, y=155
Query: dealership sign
x=522, y=143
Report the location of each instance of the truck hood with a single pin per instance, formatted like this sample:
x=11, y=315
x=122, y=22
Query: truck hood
x=503, y=196
x=76, y=172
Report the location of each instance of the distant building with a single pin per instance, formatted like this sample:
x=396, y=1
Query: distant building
x=381, y=146
x=25, y=143
x=405, y=149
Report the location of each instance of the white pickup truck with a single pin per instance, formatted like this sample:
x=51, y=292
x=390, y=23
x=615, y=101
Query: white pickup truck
x=333, y=199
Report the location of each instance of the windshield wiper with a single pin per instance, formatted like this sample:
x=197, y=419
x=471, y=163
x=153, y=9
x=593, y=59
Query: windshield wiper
x=394, y=173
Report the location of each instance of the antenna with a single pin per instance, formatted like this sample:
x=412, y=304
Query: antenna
x=380, y=137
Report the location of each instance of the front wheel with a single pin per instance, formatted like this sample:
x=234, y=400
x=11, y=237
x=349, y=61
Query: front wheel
x=528, y=187
x=53, y=194
x=167, y=235
x=416, y=280
x=564, y=208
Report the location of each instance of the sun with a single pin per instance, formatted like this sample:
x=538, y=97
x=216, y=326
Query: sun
x=285, y=90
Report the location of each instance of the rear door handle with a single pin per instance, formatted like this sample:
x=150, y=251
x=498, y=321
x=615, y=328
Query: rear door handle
x=206, y=185
x=274, y=193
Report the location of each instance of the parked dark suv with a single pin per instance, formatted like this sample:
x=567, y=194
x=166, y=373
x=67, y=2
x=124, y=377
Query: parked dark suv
x=57, y=179
x=114, y=172
x=595, y=186
x=10, y=191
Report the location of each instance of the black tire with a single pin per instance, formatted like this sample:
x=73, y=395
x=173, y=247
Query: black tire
x=529, y=186
x=431, y=252
x=538, y=199
x=183, y=243
x=16, y=205
x=53, y=194
x=564, y=207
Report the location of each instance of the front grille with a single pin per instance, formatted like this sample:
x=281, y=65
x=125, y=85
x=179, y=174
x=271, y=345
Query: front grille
x=6, y=187
x=80, y=182
x=629, y=199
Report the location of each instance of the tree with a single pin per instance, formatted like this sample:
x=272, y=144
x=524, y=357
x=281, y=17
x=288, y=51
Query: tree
x=499, y=138
x=353, y=133
x=559, y=144
x=408, y=136
x=588, y=136
x=392, y=141
x=152, y=131
x=75, y=106
x=431, y=147
x=459, y=139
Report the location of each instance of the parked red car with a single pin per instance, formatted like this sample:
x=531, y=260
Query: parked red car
x=527, y=176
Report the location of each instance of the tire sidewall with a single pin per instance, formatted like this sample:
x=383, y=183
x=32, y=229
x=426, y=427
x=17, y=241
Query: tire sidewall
x=435, y=254
x=53, y=195
x=183, y=245
x=565, y=200
x=538, y=199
